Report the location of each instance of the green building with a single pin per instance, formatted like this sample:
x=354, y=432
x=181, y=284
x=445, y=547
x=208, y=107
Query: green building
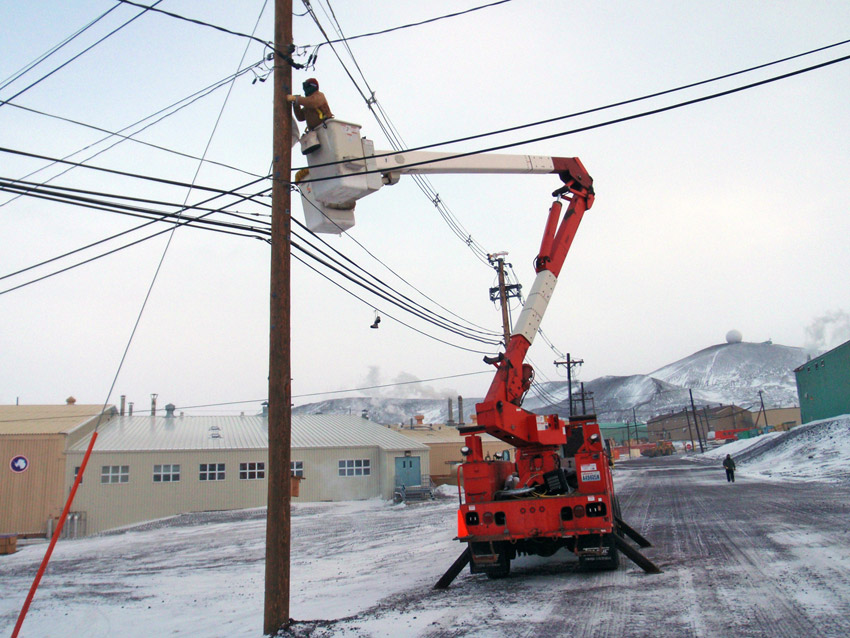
x=823, y=385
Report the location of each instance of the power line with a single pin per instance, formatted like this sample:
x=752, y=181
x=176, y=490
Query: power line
x=81, y=53
x=621, y=103
x=270, y=45
x=128, y=138
x=589, y=127
x=164, y=112
x=396, y=142
x=386, y=314
x=382, y=263
x=412, y=24
x=44, y=56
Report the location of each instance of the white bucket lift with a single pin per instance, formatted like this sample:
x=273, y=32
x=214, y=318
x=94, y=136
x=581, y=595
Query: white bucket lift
x=345, y=167
x=336, y=178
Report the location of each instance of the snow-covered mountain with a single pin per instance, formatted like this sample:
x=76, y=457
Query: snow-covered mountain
x=724, y=373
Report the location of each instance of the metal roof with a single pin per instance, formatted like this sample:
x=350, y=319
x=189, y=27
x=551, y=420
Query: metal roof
x=438, y=434
x=141, y=433
x=47, y=419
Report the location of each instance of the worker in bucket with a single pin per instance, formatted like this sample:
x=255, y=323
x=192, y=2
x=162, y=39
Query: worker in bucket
x=312, y=107
x=729, y=465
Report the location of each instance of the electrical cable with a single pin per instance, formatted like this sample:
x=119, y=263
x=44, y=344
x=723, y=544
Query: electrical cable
x=81, y=53
x=56, y=47
x=395, y=140
x=170, y=14
x=126, y=138
x=623, y=103
x=368, y=252
x=412, y=24
x=163, y=113
x=590, y=127
x=386, y=314
x=343, y=272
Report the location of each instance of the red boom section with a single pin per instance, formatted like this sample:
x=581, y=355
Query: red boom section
x=499, y=414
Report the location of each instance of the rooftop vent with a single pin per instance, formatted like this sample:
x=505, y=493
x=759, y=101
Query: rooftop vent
x=70, y=400
x=215, y=435
x=169, y=411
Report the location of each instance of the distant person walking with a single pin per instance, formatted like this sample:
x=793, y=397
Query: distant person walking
x=729, y=464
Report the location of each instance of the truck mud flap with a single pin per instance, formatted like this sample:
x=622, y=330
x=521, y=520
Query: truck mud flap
x=635, y=556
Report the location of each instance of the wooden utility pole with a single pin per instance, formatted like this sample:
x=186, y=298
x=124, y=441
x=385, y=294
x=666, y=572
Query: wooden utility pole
x=696, y=420
x=276, y=615
x=503, y=299
x=570, y=363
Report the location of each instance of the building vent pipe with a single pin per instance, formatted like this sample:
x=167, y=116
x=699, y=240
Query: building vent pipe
x=123, y=402
x=153, y=404
x=130, y=411
x=459, y=410
x=265, y=409
x=451, y=420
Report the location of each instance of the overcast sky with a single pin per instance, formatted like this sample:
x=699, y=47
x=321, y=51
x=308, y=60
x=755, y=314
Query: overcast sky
x=727, y=214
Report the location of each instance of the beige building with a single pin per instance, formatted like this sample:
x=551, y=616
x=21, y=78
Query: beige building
x=777, y=418
x=680, y=426
x=34, y=440
x=444, y=443
x=149, y=467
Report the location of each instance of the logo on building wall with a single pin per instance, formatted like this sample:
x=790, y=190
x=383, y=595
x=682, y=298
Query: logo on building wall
x=19, y=464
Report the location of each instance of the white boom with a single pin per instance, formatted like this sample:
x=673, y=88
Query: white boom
x=345, y=167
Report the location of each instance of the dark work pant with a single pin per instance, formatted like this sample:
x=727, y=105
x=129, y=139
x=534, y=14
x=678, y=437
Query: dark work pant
x=730, y=476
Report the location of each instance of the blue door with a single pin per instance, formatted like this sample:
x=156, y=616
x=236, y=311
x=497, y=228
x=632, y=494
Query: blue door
x=407, y=471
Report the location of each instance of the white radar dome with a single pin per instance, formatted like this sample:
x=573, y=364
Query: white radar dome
x=734, y=336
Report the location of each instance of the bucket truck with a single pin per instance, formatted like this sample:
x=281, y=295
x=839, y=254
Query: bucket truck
x=557, y=491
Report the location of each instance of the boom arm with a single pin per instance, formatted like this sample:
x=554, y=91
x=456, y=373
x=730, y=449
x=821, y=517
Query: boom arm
x=500, y=413
x=345, y=167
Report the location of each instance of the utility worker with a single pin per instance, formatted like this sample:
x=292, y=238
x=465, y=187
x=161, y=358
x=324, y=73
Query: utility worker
x=729, y=464
x=312, y=107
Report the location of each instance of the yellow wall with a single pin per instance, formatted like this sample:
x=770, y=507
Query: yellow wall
x=28, y=499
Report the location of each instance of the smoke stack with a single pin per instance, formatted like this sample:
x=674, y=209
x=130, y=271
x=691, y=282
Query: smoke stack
x=169, y=411
x=451, y=420
x=123, y=402
x=153, y=404
x=459, y=410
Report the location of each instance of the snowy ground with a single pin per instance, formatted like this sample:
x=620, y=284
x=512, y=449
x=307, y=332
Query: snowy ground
x=757, y=558
x=817, y=451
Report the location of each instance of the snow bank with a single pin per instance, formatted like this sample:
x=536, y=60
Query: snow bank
x=817, y=451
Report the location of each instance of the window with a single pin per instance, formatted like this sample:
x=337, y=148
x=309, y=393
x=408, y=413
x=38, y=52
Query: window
x=166, y=473
x=252, y=471
x=355, y=467
x=297, y=468
x=211, y=472
x=115, y=474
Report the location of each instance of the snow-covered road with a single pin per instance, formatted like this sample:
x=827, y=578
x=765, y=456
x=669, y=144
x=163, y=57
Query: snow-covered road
x=755, y=558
